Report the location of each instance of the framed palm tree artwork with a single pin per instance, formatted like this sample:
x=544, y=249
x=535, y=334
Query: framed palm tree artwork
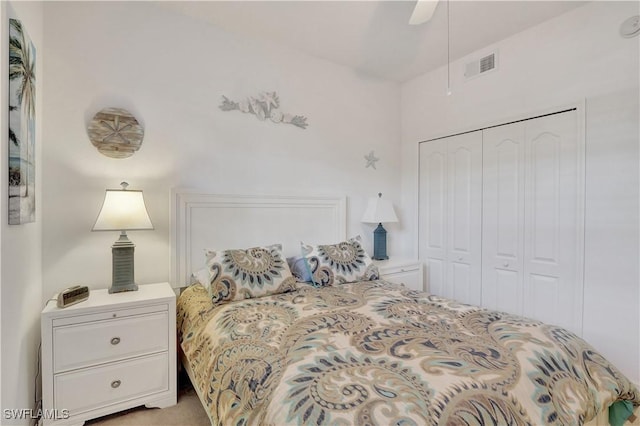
x=22, y=117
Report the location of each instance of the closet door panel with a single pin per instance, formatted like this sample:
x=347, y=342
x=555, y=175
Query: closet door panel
x=502, y=290
x=508, y=195
x=460, y=281
x=460, y=171
x=552, y=220
x=506, y=291
x=542, y=303
x=464, y=231
x=435, y=275
x=433, y=216
x=502, y=228
x=543, y=199
x=450, y=220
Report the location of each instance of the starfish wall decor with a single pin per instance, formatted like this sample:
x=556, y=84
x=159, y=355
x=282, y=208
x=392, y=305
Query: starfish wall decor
x=371, y=160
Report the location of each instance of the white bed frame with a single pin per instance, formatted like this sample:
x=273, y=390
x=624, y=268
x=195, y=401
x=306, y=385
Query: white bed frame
x=202, y=221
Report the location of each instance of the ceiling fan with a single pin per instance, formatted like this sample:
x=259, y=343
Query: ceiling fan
x=423, y=11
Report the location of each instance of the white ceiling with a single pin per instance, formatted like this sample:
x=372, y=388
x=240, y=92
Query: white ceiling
x=374, y=36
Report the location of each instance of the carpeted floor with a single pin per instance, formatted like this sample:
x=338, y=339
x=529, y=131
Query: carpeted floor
x=188, y=412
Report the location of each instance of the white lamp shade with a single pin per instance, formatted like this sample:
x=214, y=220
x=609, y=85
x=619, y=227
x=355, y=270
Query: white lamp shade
x=123, y=210
x=379, y=210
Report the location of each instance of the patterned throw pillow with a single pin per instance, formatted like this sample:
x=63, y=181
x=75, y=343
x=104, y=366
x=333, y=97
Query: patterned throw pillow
x=340, y=263
x=245, y=274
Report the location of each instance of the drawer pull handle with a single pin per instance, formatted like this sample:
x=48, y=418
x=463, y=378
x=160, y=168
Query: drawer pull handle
x=116, y=384
x=115, y=340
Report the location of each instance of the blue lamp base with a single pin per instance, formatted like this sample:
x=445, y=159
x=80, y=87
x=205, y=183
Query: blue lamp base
x=380, y=243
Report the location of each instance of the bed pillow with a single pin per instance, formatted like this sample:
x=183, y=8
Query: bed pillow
x=299, y=269
x=339, y=263
x=245, y=274
x=201, y=276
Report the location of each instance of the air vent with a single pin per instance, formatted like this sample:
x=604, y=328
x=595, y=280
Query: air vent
x=480, y=66
x=487, y=63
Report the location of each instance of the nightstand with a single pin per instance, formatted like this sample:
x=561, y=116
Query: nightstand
x=109, y=353
x=402, y=271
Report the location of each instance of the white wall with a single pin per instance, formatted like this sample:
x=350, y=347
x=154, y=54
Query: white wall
x=171, y=72
x=576, y=56
x=21, y=260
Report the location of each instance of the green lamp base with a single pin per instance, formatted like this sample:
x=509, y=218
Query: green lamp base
x=122, y=265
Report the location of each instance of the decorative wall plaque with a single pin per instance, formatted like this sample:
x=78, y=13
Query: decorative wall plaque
x=115, y=132
x=264, y=106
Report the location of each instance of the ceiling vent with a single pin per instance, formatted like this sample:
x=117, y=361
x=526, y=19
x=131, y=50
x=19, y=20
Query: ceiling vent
x=480, y=66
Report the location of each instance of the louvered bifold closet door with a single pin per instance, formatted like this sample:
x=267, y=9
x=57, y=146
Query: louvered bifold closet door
x=532, y=219
x=450, y=215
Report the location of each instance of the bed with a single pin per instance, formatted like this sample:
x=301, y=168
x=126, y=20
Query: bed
x=349, y=348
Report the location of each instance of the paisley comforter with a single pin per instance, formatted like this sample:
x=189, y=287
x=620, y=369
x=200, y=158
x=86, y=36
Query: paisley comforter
x=376, y=353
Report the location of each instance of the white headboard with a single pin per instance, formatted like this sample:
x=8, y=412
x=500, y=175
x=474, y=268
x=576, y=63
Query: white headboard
x=202, y=221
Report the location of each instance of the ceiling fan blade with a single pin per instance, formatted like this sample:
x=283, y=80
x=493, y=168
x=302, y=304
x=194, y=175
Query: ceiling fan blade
x=423, y=11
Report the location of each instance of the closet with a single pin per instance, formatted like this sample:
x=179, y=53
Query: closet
x=501, y=217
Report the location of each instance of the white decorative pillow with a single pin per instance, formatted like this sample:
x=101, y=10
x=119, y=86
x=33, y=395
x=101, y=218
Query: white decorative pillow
x=201, y=276
x=245, y=274
x=339, y=263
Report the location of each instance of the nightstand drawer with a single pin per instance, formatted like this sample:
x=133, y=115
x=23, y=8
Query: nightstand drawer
x=409, y=277
x=399, y=271
x=89, y=389
x=77, y=346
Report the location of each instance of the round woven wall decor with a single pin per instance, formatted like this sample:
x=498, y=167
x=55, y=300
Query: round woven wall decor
x=115, y=132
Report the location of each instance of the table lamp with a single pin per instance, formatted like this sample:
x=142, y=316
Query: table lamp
x=379, y=210
x=123, y=210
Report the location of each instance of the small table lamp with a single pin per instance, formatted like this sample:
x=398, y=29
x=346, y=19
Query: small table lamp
x=378, y=211
x=123, y=210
